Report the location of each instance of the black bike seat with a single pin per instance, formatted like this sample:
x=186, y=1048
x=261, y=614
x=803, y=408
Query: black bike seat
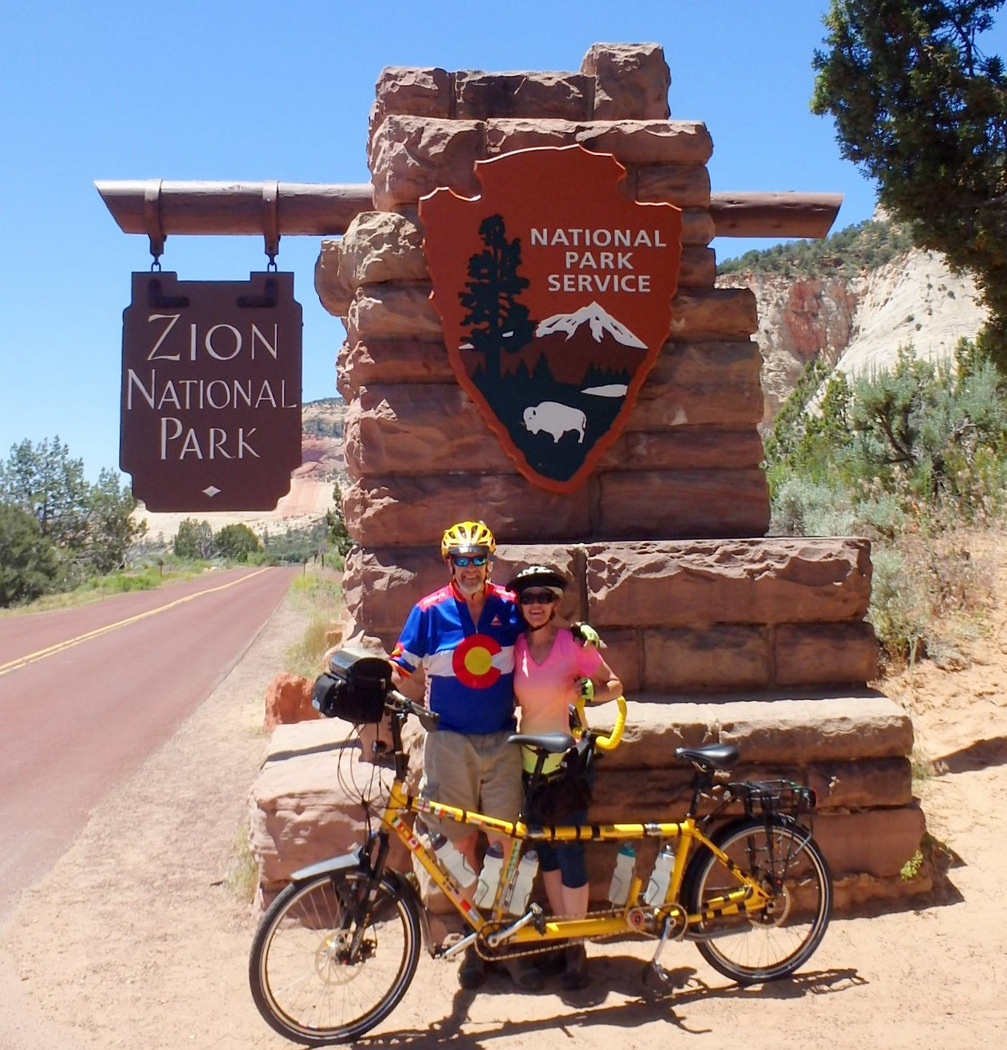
x=555, y=743
x=710, y=756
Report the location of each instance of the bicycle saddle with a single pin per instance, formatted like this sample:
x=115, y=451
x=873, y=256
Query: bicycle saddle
x=711, y=756
x=555, y=743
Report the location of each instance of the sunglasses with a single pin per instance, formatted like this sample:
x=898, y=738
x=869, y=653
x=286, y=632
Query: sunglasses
x=537, y=598
x=478, y=560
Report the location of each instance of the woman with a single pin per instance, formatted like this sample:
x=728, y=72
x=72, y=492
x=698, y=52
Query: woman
x=550, y=670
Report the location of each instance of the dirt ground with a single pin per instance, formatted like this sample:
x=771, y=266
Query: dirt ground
x=137, y=937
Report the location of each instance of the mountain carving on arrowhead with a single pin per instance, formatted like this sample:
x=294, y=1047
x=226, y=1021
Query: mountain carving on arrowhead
x=598, y=319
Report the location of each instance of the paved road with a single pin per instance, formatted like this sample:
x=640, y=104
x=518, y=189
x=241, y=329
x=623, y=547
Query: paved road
x=87, y=693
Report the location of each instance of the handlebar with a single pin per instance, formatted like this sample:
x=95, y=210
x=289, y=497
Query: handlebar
x=610, y=742
x=399, y=703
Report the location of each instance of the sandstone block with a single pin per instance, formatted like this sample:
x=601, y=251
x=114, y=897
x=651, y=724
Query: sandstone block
x=411, y=156
x=400, y=511
x=335, y=296
x=565, y=96
x=684, y=448
x=877, y=842
x=677, y=142
x=379, y=247
x=418, y=429
x=819, y=654
x=743, y=581
x=701, y=384
x=673, y=504
x=698, y=226
x=685, y=186
x=820, y=727
x=856, y=727
x=392, y=311
x=400, y=360
x=422, y=92
x=724, y=657
x=288, y=699
x=698, y=268
x=631, y=81
x=716, y=314
x=505, y=135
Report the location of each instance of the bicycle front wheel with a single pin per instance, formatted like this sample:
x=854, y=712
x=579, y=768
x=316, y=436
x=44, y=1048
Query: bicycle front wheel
x=772, y=942
x=327, y=964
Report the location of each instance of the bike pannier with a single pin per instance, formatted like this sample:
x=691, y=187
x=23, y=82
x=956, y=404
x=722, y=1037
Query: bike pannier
x=354, y=687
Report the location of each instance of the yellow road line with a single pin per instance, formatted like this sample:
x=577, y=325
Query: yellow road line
x=23, y=661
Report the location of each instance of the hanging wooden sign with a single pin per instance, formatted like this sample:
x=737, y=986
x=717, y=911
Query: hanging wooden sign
x=211, y=391
x=555, y=292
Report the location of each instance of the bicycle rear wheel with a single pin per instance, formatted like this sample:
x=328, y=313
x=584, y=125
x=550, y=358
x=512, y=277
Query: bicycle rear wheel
x=327, y=965
x=775, y=941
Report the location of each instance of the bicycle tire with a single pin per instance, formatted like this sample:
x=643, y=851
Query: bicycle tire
x=303, y=981
x=773, y=943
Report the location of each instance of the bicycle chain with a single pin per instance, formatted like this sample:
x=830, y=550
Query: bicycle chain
x=502, y=955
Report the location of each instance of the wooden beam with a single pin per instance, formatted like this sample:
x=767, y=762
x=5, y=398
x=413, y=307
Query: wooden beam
x=774, y=214
x=322, y=209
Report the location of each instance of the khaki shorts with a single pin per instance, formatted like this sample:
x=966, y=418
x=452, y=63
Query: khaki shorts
x=478, y=771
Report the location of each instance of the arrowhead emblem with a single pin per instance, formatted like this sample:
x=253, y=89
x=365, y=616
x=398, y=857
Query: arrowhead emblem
x=555, y=292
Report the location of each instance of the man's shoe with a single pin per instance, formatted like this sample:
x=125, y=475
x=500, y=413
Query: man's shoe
x=575, y=972
x=472, y=971
x=524, y=973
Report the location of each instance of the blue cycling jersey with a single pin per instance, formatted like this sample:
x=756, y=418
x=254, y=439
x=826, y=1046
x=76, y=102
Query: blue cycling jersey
x=469, y=667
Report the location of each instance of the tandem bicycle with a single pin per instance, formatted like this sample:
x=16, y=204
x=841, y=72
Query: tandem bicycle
x=337, y=949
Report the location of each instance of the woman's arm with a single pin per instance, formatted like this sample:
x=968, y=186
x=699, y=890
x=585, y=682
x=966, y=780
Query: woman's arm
x=607, y=684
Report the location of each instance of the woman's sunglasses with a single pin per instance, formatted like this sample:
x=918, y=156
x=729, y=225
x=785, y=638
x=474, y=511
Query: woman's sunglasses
x=536, y=597
x=478, y=560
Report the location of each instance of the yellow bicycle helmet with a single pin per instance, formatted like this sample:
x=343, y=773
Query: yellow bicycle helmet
x=468, y=537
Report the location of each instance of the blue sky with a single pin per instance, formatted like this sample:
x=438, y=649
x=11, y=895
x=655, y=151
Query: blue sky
x=251, y=91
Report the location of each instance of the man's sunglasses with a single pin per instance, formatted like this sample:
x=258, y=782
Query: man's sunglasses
x=536, y=597
x=463, y=562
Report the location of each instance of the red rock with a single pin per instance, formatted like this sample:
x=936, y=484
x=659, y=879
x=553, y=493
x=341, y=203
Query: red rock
x=288, y=699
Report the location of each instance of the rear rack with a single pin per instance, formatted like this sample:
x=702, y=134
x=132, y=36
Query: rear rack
x=763, y=798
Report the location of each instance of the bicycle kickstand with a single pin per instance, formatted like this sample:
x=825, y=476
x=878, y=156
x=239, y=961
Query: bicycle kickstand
x=656, y=979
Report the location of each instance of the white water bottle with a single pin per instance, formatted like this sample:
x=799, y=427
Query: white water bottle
x=489, y=877
x=526, y=871
x=660, y=877
x=452, y=860
x=622, y=877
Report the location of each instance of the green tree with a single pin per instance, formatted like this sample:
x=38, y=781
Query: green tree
x=194, y=539
x=236, y=542
x=335, y=525
x=47, y=483
x=111, y=528
x=29, y=565
x=498, y=320
x=923, y=111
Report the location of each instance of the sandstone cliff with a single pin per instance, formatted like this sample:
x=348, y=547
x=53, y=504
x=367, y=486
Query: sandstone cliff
x=858, y=324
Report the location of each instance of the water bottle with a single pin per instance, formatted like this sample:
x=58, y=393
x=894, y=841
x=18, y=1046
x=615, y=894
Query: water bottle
x=452, y=860
x=489, y=877
x=660, y=877
x=526, y=871
x=622, y=877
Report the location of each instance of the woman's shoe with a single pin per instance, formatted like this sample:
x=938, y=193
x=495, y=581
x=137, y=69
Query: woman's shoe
x=575, y=973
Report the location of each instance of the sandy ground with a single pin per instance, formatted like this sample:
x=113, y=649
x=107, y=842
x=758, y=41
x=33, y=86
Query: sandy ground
x=137, y=939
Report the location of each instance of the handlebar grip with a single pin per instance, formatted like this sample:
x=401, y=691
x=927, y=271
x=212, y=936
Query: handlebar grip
x=610, y=742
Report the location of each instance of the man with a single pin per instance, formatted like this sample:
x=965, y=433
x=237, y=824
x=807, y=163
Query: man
x=457, y=648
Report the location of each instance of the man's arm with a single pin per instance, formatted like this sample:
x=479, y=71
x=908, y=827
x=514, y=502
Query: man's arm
x=410, y=685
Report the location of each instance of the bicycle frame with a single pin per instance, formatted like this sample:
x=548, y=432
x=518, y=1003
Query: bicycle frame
x=533, y=928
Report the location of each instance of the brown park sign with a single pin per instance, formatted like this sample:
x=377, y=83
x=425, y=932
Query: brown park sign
x=554, y=289
x=211, y=391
